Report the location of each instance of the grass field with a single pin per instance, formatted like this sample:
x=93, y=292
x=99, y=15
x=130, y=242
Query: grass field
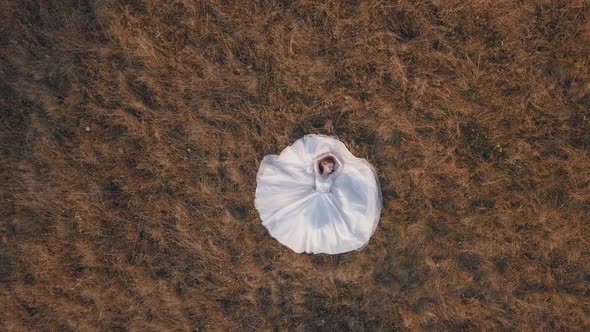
x=131, y=133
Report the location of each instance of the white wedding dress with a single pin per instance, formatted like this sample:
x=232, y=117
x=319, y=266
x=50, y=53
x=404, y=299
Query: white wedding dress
x=314, y=213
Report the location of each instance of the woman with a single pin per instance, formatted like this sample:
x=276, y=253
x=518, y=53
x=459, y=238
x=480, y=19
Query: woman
x=317, y=197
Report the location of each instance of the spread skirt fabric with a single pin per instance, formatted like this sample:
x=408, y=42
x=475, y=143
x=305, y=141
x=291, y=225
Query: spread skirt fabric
x=312, y=212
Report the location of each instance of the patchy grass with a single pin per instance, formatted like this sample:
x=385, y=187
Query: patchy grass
x=131, y=133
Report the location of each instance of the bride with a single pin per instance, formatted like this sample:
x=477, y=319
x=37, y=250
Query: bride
x=317, y=197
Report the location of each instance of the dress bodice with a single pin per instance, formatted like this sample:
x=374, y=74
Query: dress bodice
x=323, y=183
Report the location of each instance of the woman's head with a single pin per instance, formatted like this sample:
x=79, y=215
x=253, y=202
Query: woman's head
x=327, y=165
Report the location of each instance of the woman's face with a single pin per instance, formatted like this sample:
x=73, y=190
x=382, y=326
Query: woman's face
x=328, y=166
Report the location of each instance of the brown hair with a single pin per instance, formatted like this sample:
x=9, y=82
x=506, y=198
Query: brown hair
x=328, y=159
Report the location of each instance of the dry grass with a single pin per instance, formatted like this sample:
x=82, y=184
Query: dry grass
x=131, y=133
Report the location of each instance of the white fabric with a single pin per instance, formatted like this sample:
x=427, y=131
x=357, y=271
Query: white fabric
x=314, y=213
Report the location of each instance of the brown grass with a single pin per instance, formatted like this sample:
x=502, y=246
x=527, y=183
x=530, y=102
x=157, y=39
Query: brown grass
x=131, y=134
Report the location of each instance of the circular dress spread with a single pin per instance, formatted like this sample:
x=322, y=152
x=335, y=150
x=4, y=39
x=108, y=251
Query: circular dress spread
x=317, y=197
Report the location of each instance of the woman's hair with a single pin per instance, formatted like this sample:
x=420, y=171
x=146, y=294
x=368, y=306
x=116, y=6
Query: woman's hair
x=327, y=159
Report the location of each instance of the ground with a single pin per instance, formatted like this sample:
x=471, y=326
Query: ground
x=131, y=133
